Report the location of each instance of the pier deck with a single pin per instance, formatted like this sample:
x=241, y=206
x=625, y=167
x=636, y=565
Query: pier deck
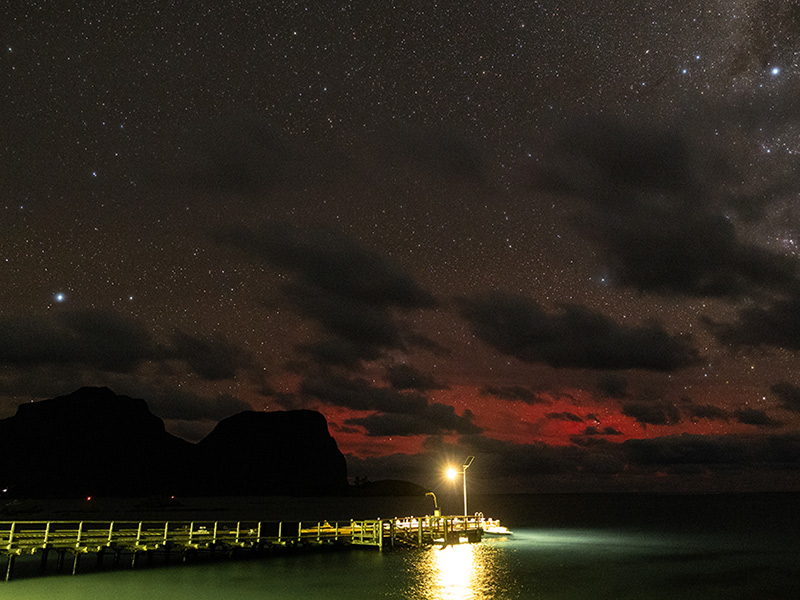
x=133, y=538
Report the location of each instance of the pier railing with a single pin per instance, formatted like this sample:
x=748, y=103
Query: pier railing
x=132, y=538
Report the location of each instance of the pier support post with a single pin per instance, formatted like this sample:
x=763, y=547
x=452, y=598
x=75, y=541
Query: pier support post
x=76, y=561
x=10, y=567
x=60, y=561
x=43, y=563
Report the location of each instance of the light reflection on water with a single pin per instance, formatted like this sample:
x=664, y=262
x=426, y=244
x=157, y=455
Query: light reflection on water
x=464, y=572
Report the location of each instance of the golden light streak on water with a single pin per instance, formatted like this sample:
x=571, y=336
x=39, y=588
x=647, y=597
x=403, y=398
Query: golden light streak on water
x=456, y=566
x=461, y=572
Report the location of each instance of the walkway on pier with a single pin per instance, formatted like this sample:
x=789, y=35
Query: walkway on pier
x=134, y=538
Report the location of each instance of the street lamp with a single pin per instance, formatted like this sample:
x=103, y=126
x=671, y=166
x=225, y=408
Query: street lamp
x=452, y=473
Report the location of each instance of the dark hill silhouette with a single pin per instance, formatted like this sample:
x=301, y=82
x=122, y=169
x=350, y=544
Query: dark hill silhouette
x=89, y=442
x=93, y=442
x=257, y=453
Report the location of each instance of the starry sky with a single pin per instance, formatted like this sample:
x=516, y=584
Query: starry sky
x=561, y=236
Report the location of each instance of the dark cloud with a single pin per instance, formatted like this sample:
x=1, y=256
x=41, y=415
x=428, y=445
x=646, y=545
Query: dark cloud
x=398, y=413
x=776, y=325
x=101, y=340
x=211, y=357
x=609, y=161
x=406, y=377
x=648, y=413
x=351, y=292
x=435, y=419
x=649, y=200
x=425, y=343
x=367, y=327
x=752, y=416
x=612, y=386
x=604, y=431
x=564, y=416
x=514, y=393
x=72, y=345
x=575, y=337
x=788, y=394
x=359, y=394
x=326, y=260
x=336, y=352
x=706, y=411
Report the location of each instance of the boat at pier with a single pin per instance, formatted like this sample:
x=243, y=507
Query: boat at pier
x=496, y=530
x=492, y=527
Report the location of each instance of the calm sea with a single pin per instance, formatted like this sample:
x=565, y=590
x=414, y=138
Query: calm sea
x=563, y=547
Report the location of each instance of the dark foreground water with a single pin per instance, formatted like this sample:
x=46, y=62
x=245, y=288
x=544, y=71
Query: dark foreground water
x=637, y=547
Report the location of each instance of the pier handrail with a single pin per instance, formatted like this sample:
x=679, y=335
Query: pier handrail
x=136, y=536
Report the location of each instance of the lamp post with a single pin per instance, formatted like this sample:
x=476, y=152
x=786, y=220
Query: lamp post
x=436, y=511
x=452, y=474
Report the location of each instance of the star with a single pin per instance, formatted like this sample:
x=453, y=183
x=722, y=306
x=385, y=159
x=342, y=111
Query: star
x=60, y=297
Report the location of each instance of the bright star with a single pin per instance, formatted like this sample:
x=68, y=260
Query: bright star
x=775, y=70
x=60, y=297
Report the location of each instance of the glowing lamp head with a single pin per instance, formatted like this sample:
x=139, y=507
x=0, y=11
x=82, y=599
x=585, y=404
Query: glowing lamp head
x=452, y=473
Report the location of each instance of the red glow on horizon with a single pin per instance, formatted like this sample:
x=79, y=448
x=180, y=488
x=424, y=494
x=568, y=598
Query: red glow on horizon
x=558, y=418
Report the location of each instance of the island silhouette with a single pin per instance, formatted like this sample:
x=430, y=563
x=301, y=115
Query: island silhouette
x=94, y=442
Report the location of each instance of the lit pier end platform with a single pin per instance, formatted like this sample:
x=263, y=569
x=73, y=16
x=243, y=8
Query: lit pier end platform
x=132, y=540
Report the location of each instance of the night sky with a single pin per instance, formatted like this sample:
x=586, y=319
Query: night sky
x=561, y=236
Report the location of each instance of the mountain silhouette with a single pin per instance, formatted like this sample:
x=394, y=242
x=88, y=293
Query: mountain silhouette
x=257, y=452
x=94, y=442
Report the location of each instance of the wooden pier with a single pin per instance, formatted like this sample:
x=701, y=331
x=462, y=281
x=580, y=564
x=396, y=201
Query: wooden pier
x=131, y=540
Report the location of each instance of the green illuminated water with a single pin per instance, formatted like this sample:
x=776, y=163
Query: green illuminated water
x=745, y=560
x=556, y=564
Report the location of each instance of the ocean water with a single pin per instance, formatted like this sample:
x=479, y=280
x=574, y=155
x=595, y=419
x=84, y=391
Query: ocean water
x=636, y=548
